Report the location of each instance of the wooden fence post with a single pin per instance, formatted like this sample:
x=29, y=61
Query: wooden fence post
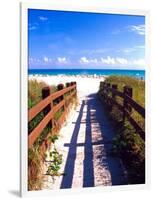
x=72, y=83
x=46, y=93
x=101, y=86
x=103, y=92
x=128, y=91
x=107, y=88
x=75, y=89
x=68, y=84
x=46, y=110
x=114, y=87
x=60, y=87
x=107, y=93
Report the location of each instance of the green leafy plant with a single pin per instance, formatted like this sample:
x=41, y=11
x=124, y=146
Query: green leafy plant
x=55, y=159
x=55, y=162
x=53, y=138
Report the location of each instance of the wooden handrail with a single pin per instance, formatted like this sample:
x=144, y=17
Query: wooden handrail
x=135, y=125
x=116, y=92
x=50, y=115
x=136, y=106
x=128, y=104
x=42, y=104
x=131, y=101
x=36, y=132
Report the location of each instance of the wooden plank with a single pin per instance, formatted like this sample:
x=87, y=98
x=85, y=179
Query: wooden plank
x=136, y=106
x=42, y=104
x=37, y=131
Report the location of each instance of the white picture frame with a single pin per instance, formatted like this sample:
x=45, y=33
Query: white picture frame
x=68, y=6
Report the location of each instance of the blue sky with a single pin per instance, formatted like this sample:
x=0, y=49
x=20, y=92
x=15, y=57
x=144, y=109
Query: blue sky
x=58, y=39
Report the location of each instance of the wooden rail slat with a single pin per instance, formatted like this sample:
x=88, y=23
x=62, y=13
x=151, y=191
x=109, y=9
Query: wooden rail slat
x=36, y=132
x=106, y=91
x=136, y=106
x=136, y=125
x=116, y=92
x=117, y=104
x=133, y=103
x=42, y=104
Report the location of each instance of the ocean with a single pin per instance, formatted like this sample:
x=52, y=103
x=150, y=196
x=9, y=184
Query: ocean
x=106, y=72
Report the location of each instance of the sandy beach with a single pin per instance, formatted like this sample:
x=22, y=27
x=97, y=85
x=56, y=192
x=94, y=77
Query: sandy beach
x=85, y=84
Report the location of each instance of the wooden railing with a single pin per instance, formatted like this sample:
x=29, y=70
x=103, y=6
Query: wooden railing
x=50, y=105
x=108, y=94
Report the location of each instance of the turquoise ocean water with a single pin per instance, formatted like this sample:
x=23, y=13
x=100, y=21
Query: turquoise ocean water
x=106, y=72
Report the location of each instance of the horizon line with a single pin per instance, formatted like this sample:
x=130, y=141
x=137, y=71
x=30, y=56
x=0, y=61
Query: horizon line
x=81, y=68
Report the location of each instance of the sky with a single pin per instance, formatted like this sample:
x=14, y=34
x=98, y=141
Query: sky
x=67, y=40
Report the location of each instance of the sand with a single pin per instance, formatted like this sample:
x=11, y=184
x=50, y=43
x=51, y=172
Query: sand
x=85, y=84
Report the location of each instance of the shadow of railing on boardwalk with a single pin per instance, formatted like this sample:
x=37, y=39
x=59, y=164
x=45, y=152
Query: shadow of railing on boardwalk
x=69, y=166
x=107, y=161
x=88, y=169
x=112, y=163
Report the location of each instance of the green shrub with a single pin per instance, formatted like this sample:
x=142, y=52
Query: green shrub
x=127, y=143
x=137, y=85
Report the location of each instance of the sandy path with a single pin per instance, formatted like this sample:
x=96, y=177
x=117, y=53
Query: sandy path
x=85, y=142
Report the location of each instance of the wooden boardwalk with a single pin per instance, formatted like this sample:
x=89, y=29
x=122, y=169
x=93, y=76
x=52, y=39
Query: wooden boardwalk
x=85, y=143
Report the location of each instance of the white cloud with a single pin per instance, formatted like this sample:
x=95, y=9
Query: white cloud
x=108, y=60
x=139, y=62
x=140, y=47
x=43, y=18
x=94, y=61
x=114, y=60
x=34, y=60
x=32, y=28
x=84, y=60
x=30, y=60
x=139, y=29
x=62, y=60
x=122, y=61
x=128, y=50
x=47, y=59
